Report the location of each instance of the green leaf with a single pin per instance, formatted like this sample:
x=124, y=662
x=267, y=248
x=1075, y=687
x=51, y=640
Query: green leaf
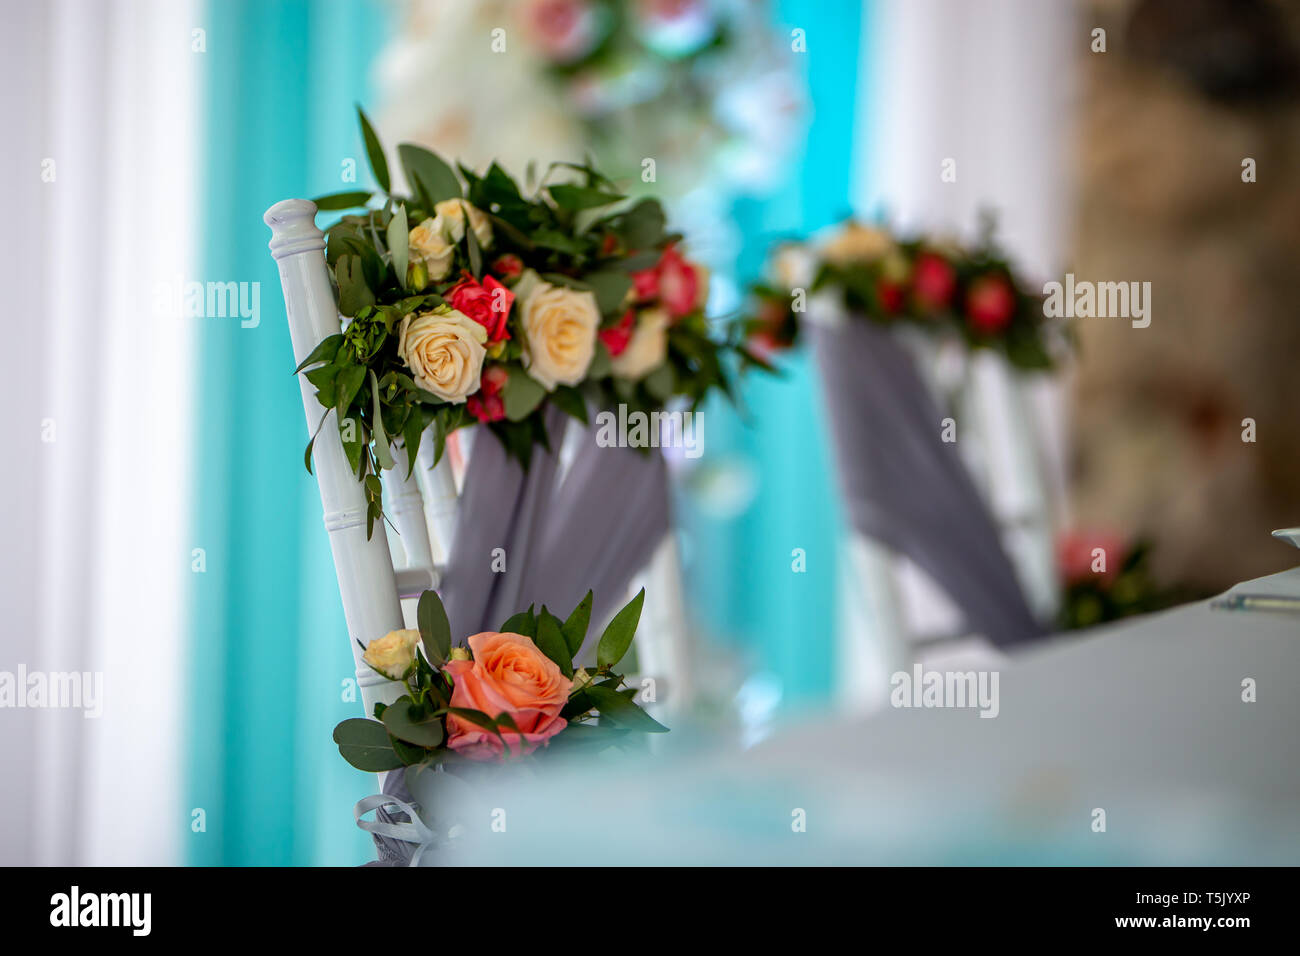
x=570, y=401
x=618, y=635
x=398, y=240
x=346, y=200
x=365, y=744
x=349, y=382
x=382, y=452
x=575, y=627
x=354, y=292
x=324, y=352
x=405, y=722
x=551, y=642
x=412, y=434
x=576, y=198
x=352, y=447
x=642, y=226
x=475, y=253
x=610, y=289
x=435, y=629
x=428, y=174
x=661, y=382
x=476, y=717
x=621, y=712
x=375, y=152
x=521, y=395
x=525, y=623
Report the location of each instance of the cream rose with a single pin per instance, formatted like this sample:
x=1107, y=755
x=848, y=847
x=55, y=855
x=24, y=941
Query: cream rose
x=647, y=348
x=428, y=243
x=393, y=655
x=857, y=243
x=559, y=332
x=444, y=350
x=451, y=213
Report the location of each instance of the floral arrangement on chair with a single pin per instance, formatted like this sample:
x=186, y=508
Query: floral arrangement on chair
x=469, y=301
x=936, y=285
x=496, y=696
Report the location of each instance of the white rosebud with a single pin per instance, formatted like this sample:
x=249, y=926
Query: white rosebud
x=393, y=655
x=451, y=213
x=428, y=243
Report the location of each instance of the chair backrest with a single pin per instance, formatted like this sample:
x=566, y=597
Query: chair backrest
x=375, y=574
x=425, y=503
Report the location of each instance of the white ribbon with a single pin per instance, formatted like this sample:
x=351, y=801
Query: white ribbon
x=414, y=832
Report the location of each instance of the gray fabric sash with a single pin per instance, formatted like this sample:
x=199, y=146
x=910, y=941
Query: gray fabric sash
x=591, y=529
x=906, y=487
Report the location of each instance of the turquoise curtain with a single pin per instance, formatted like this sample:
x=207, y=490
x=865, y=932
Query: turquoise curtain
x=269, y=649
x=741, y=570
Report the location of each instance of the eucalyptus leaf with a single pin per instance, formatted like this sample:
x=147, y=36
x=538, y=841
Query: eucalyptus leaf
x=383, y=453
x=349, y=382
x=354, y=291
x=398, y=244
x=435, y=629
x=404, y=721
x=365, y=744
x=428, y=174
x=521, y=395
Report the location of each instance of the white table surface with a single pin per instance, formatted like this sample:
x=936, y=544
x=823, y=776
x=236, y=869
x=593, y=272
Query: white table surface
x=1144, y=720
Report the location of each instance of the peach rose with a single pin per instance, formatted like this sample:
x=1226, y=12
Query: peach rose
x=560, y=328
x=444, y=349
x=508, y=675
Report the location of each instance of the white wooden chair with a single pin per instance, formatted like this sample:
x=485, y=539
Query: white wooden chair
x=373, y=575
x=376, y=574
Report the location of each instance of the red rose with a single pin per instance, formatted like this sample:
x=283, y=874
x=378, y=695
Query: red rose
x=678, y=283
x=486, y=404
x=509, y=266
x=892, y=295
x=933, y=281
x=487, y=304
x=617, y=336
x=990, y=304
x=645, y=284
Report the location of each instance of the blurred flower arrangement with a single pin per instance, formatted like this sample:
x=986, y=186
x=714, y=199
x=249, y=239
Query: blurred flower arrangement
x=1106, y=577
x=469, y=301
x=706, y=89
x=496, y=695
x=697, y=81
x=933, y=284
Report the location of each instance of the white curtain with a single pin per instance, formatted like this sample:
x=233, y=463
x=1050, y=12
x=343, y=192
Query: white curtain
x=100, y=118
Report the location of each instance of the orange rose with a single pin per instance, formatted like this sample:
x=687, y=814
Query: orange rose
x=508, y=675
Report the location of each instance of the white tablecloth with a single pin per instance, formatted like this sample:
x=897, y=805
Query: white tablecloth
x=1144, y=720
